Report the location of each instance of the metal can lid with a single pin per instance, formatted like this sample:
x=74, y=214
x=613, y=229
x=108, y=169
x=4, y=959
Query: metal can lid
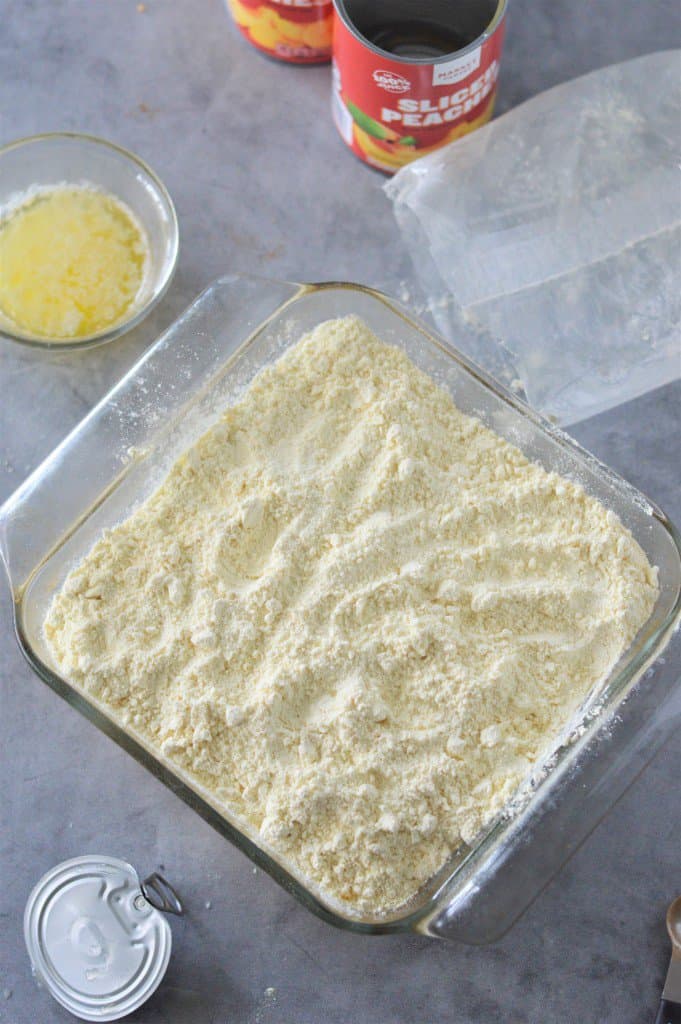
x=95, y=941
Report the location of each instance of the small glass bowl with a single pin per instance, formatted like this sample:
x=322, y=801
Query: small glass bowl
x=57, y=158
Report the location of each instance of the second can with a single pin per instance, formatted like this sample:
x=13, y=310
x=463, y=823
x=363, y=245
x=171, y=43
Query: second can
x=409, y=78
x=295, y=31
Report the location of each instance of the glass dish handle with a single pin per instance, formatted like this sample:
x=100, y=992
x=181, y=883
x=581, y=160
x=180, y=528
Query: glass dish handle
x=90, y=460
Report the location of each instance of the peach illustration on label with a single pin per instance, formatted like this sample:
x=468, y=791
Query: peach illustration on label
x=299, y=33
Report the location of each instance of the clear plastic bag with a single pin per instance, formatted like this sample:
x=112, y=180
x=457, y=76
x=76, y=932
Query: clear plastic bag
x=556, y=232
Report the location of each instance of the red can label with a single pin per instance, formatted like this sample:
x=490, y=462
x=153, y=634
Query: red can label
x=297, y=31
x=390, y=112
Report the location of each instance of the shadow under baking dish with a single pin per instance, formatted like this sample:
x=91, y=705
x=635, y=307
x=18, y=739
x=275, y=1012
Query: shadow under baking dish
x=122, y=451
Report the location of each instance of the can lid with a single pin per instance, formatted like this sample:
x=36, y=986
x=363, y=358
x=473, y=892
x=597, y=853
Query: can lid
x=95, y=941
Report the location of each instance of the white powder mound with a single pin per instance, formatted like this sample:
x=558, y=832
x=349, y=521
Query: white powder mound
x=354, y=614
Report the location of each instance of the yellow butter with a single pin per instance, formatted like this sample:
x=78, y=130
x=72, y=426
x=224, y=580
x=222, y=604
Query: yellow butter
x=72, y=262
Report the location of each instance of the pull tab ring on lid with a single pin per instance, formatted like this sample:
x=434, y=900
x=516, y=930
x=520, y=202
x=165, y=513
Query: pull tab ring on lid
x=158, y=891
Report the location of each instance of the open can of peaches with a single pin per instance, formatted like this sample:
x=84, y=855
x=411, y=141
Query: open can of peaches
x=409, y=78
x=295, y=31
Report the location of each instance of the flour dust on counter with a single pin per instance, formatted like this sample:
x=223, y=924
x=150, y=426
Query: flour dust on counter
x=353, y=614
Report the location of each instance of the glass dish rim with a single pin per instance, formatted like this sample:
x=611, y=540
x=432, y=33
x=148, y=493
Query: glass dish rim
x=617, y=688
x=108, y=333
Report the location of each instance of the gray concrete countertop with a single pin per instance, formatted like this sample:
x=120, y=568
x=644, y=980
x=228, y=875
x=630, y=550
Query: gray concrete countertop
x=263, y=184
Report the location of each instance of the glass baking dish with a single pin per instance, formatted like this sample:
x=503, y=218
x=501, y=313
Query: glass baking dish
x=121, y=451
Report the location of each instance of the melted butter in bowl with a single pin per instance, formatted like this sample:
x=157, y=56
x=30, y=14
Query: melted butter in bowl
x=73, y=260
x=88, y=240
